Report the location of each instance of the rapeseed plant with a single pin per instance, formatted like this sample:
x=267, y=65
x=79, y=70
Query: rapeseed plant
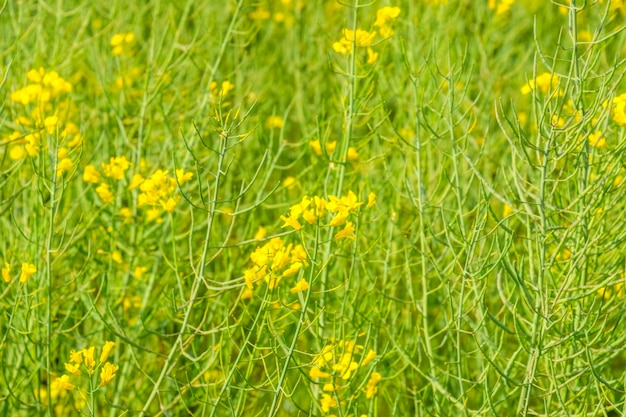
x=340, y=209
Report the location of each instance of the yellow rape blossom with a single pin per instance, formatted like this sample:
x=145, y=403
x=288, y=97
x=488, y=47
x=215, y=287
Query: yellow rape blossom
x=73, y=369
x=62, y=384
x=90, y=362
x=116, y=167
x=28, y=270
x=371, y=389
x=104, y=192
x=91, y=174
x=301, y=286
x=384, y=16
x=107, y=373
x=545, y=83
x=371, y=200
x=6, y=272
x=327, y=402
x=50, y=123
x=182, y=176
x=121, y=44
x=315, y=372
x=64, y=166
x=106, y=350
x=358, y=38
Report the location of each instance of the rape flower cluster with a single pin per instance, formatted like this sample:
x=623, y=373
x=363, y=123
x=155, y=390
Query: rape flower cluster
x=546, y=83
x=500, y=6
x=313, y=210
x=274, y=261
x=360, y=38
x=220, y=93
x=84, y=361
x=114, y=170
x=159, y=190
x=384, y=17
x=27, y=271
x=43, y=87
x=122, y=44
x=330, y=146
x=336, y=364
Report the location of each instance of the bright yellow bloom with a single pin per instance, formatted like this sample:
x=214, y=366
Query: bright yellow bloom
x=62, y=384
x=90, y=174
x=106, y=350
x=359, y=37
x=327, y=402
x=385, y=14
x=27, y=271
x=339, y=218
x=597, y=140
x=73, y=369
x=116, y=256
x=372, y=56
x=105, y=193
x=6, y=272
x=290, y=221
x=546, y=83
x=121, y=43
x=301, y=286
x=371, y=200
x=64, y=166
x=292, y=270
x=50, y=123
x=371, y=354
x=169, y=205
x=316, y=373
x=116, y=167
x=90, y=362
x=107, y=373
x=136, y=181
x=183, y=176
x=76, y=357
x=371, y=388
x=140, y=271
x=346, y=233
x=260, y=233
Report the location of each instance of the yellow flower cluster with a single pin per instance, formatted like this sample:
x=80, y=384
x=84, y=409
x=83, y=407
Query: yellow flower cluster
x=330, y=146
x=85, y=360
x=43, y=87
x=221, y=93
x=122, y=44
x=360, y=38
x=274, y=261
x=500, y=6
x=546, y=83
x=338, y=209
x=384, y=17
x=159, y=190
x=337, y=362
x=29, y=140
x=113, y=170
x=618, y=109
x=27, y=271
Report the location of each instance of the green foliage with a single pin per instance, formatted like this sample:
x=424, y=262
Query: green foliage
x=283, y=208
